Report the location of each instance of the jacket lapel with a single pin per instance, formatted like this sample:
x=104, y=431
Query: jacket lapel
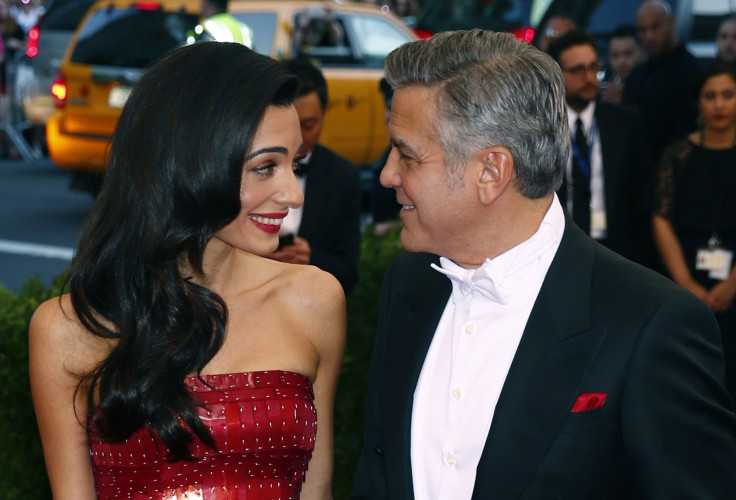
x=416, y=322
x=555, y=352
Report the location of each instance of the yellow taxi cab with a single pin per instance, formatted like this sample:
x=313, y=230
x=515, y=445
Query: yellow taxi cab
x=118, y=39
x=113, y=45
x=349, y=42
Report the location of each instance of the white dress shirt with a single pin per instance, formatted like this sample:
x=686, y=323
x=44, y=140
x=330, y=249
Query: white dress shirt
x=598, y=229
x=468, y=360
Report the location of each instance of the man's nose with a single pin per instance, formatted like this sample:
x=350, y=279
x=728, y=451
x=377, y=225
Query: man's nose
x=389, y=173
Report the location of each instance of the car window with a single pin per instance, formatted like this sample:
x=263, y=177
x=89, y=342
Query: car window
x=263, y=25
x=64, y=15
x=320, y=34
x=130, y=37
x=374, y=38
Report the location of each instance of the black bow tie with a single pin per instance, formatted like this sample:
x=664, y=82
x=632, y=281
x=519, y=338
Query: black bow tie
x=302, y=169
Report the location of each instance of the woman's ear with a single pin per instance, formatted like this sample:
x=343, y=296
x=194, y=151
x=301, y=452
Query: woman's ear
x=494, y=172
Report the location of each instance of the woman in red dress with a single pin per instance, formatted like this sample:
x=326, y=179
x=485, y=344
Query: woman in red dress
x=182, y=364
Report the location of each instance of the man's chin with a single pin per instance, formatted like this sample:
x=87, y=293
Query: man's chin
x=410, y=243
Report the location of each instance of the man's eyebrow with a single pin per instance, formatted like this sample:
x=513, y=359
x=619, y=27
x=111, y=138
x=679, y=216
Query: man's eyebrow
x=275, y=149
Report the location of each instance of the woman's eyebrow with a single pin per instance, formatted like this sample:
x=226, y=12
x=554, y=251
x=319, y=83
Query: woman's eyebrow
x=274, y=149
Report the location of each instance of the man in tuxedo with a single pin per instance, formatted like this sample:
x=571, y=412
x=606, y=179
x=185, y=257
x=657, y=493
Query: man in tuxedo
x=325, y=231
x=515, y=357
x=607, y=181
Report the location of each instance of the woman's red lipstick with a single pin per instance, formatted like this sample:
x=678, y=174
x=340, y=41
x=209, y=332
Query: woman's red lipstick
x=270, y=223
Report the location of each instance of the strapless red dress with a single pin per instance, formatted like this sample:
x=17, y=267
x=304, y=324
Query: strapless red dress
x=264, y=424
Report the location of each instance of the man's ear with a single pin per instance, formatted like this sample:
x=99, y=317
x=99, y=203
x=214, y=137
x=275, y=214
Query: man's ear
x=494, y=172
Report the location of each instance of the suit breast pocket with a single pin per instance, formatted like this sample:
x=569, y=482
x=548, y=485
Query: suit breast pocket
x=599, y=418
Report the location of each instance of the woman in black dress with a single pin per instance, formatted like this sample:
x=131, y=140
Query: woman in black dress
x=694, y=220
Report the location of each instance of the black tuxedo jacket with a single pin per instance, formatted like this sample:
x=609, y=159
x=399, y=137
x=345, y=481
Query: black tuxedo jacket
x=600, y=324
x=331, y=215
x=627, y=182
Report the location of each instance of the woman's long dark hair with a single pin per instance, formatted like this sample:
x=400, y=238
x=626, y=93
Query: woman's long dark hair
x=172, y=182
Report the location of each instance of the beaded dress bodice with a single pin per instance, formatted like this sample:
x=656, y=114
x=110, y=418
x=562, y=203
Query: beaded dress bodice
x=264, y=425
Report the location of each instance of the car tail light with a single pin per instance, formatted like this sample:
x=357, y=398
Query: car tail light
x=59, y=90
x=32, y=45
x=524, y=33
x=422, y=34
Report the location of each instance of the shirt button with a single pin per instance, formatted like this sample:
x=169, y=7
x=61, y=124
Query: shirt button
x=470, y=328
x=451, y=459
x=457, y=393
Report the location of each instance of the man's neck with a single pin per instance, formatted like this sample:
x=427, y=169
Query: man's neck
x=578, y=105
x=510, y=223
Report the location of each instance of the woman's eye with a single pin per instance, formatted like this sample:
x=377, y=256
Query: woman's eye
x=265, y=169
x=297, y=161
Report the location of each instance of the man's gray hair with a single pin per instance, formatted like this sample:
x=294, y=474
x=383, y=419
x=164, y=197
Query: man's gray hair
x=493, y=90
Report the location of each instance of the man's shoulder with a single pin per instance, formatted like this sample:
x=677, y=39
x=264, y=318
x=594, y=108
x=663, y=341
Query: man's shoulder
x=621, y=280
x=613, y=280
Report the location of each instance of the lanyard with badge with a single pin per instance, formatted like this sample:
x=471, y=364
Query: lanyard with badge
x=715, y=259
x=585, y=160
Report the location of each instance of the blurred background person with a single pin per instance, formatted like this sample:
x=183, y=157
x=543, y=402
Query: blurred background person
x=695, y=217
x=27, y=13
x=555, y=27
x=624, y=53
x=325, y=231
x=217, y=24
x=12, y=39
x=726, y=40
x=661, y=87
x=184, y=364
x=603, y=186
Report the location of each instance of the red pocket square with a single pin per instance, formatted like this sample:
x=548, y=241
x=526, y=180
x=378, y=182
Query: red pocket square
x=589, y=401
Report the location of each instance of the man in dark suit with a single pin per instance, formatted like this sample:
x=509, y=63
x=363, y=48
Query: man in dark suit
x=661, y=87
x=325, y=232
x=546, y=366
x=610, y=201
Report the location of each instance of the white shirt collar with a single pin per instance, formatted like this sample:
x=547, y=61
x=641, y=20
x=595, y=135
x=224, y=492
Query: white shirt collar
x=586, y=116
x=499, y=278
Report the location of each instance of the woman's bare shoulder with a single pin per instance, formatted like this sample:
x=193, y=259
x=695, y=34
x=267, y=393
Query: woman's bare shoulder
x=55, y=321
x=55, y=329
x=310, y=287
x=317, y=299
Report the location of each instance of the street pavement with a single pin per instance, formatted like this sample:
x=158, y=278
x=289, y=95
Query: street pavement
x=40, y=220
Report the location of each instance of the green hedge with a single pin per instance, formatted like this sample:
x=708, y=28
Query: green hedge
x=23, y=472
x=21, y=458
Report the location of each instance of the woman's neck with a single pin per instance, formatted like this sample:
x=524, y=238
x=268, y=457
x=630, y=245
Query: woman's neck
x=718, y=139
